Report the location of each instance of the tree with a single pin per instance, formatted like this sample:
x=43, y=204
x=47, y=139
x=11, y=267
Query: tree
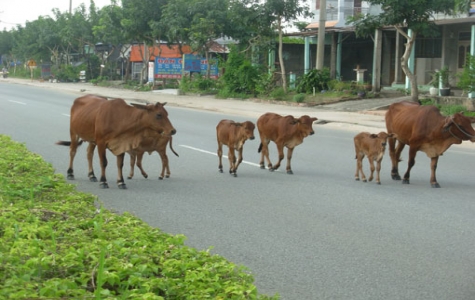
x=282, y=12
x=403, y=15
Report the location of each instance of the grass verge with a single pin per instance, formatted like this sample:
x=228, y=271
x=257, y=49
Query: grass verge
x=55, y=243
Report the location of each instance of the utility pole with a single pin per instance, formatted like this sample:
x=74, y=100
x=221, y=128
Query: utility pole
x=321, y=34
x=70, y=6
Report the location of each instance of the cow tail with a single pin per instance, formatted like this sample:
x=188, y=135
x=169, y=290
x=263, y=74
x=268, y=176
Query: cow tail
x=260, y=148
x=171, y=147
x=67, y=143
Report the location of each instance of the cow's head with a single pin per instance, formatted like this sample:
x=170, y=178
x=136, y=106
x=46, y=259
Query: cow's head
x=463, y=125
x=382, y=138
x=305, y=125
x=248, y=128
x=156, y=118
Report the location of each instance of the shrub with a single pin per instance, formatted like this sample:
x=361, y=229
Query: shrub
x=278, y=94
x=317, y=79
x=299, y=98
x=240, y=75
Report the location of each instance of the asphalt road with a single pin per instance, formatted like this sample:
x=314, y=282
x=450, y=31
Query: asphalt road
x=317, y=234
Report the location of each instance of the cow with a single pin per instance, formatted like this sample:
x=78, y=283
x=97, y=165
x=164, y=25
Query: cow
x=114, y=125
x=158, y=143
x=234, y=135
x=373, y=146
x=285, y=131
x=424, y=129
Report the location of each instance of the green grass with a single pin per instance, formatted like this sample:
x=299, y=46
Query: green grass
x=55, y=242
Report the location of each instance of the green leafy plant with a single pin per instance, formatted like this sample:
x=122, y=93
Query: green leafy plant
x=299, y=98
x=314, y=79
x=467, y=77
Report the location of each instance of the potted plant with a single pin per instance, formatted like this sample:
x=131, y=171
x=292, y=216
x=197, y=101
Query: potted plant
x=434, y=89
x=444, y=76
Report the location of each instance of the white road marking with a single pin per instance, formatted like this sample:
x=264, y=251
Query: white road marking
x=18, y=102
x=67, y=115
x=215, y=154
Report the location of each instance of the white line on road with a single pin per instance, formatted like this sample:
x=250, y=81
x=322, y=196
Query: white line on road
x=212, y=153
x=18, y=102
x=66, y=115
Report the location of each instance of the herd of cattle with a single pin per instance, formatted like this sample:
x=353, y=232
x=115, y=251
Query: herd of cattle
x=139, y=128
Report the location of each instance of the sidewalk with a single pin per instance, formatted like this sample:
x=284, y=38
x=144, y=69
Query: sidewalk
x=358, y=115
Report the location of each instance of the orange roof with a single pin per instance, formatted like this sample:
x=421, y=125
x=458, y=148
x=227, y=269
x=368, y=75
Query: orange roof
x=328, y=24
x=162, y=50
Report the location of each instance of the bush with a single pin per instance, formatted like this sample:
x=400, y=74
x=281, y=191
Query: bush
x=278, y=94
x=240, y=75
x=299, y=98
x=55, y=243
x=317, y=79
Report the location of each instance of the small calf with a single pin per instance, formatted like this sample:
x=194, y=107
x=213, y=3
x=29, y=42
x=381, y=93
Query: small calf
x=373, y=146
x=234, y=135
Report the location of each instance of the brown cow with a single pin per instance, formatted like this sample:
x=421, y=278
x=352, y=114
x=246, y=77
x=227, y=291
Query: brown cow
x=373, y=146
x=113, y=125
x=234, y=135
x=423, y=128
x=283, y=131
x=150, y=144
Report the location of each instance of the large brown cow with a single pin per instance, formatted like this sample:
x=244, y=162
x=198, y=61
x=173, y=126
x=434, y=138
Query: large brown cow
x=113, y=125
x=234, y=135
x=154, y=142
x=373, y=146
x=423, y=128
x=285, y=131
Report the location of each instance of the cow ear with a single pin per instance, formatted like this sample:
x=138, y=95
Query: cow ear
x=392, y=135
x=160, y=104
x=448, y=121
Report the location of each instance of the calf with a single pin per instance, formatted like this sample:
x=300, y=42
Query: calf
x=233, y=135
x=285, y=131
x=152, y=143
x=373, y=146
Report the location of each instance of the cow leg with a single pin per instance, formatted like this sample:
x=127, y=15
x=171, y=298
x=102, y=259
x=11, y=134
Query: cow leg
x=371, y=168
x=90, y=155
x=378, y=169
x=239, y=160
x=164, y=158
x=220, y=157
x=410, y=164
x=359, y=167
x=133, y=158
x=289, y=158
x=232, y=161
x=433, y=168
x=395, y=154
x=280, y=150
x=265, y=154
x=120, y=177
x=72, y=153
x=101, y=150
x=139, y=164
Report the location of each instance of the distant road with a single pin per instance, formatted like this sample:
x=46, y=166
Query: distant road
x=317, y=234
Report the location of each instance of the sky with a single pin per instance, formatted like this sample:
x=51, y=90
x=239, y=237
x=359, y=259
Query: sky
x=13, y=12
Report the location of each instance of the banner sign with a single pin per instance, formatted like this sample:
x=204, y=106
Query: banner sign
x=174, y=68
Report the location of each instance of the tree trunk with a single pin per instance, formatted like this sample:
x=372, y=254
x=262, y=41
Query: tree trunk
x=281, y=58
x=405, y=66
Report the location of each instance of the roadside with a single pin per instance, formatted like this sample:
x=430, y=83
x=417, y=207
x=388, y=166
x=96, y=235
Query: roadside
x=355, y=114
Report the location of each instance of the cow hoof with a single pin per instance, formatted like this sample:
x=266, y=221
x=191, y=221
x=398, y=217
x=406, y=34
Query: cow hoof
x=122, y=186
x=364, y=180
x=262, y=167
x=234, y=174
x=290, y=172
x=395, y=177
x=378, y=183
x=70, y=177
x=405, y=181
x=220, y=170
x=167, y=176
x=93, y=179
x=104, y=185
x=357, y=179
x=129, y=177
x=435, y=185
x=145, y=176
x=271, y=169
x=160, y=178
